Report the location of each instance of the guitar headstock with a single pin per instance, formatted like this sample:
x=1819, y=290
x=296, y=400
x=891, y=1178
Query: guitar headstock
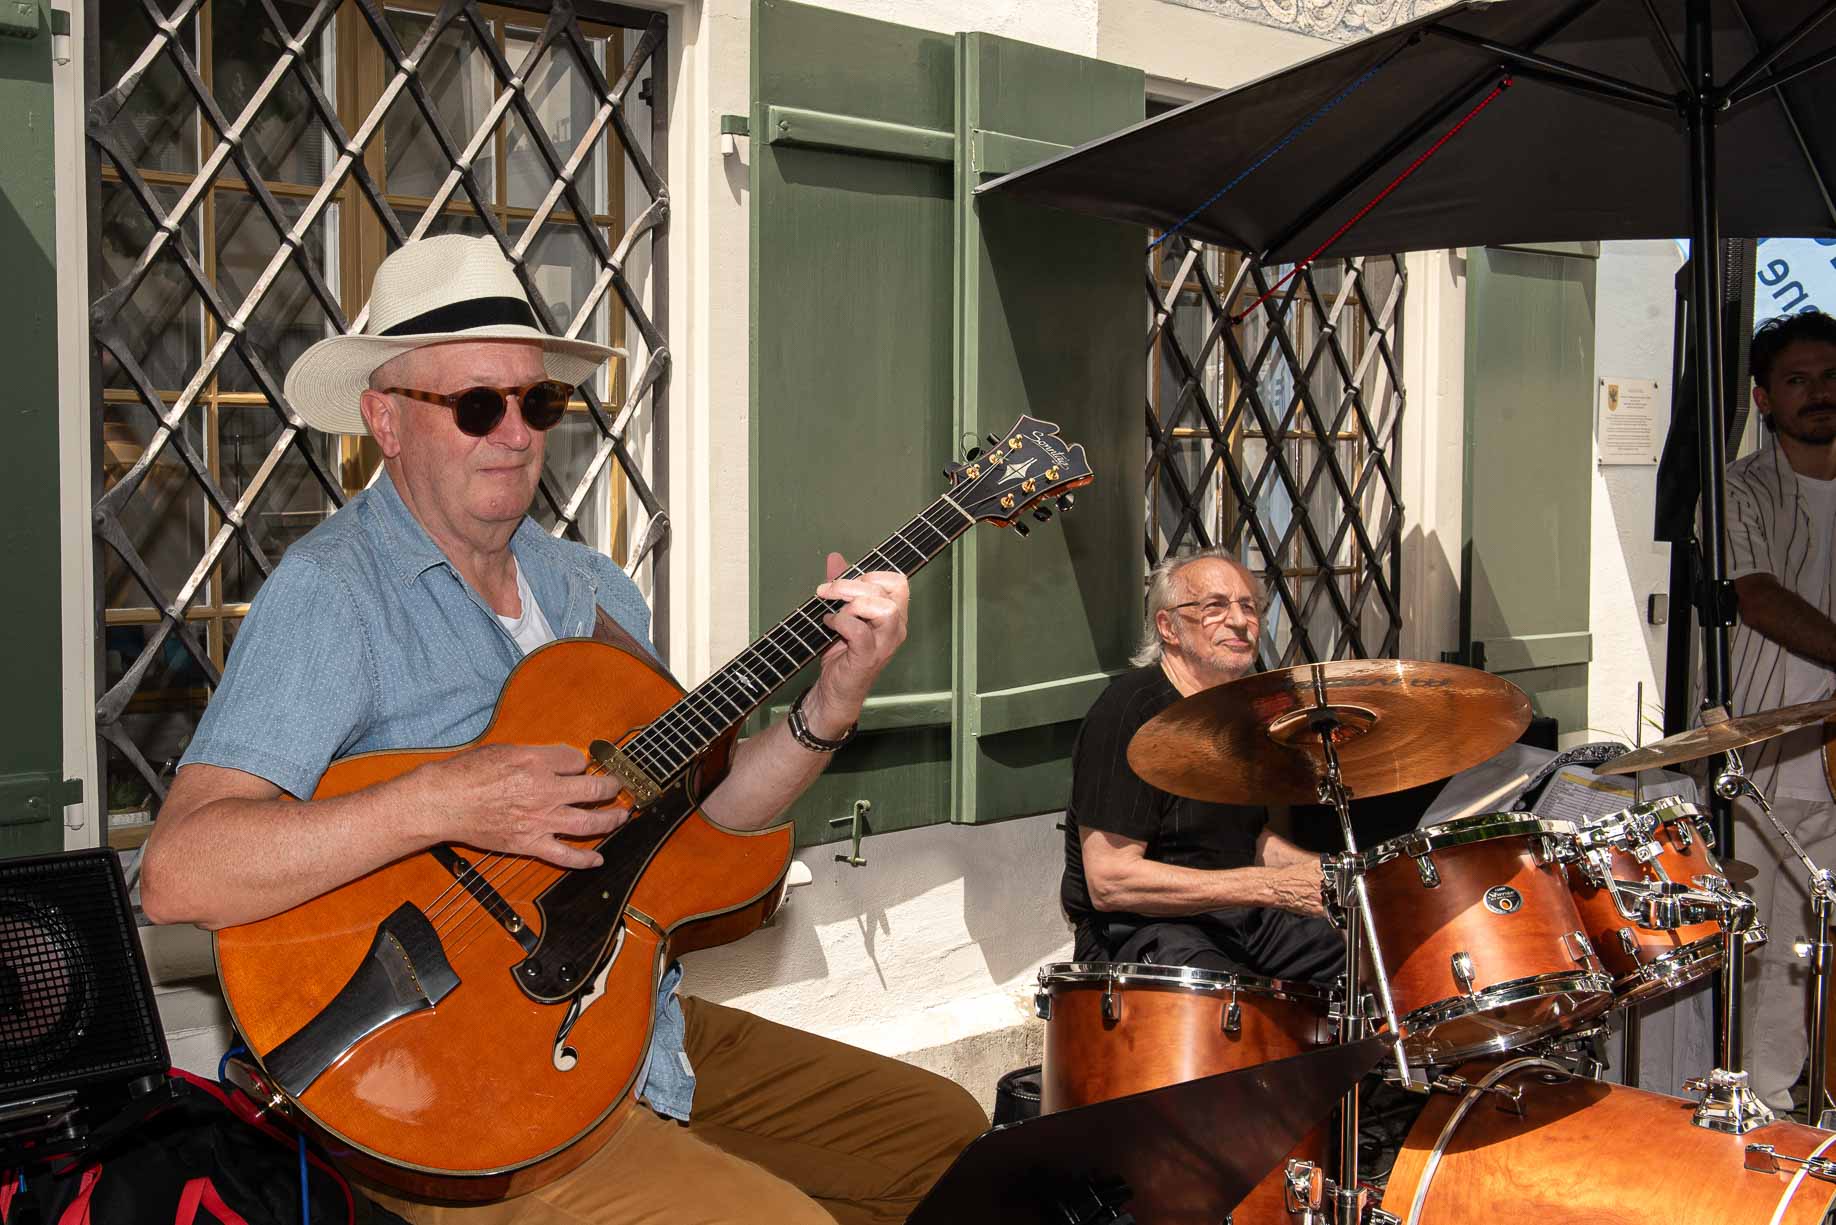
x=1020, y=469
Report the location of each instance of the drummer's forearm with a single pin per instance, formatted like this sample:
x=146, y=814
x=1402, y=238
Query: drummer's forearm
x=1168, y=890
x=1768, y=607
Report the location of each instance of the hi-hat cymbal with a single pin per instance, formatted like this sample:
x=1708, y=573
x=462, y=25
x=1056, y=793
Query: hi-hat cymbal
x=1718, y=735
x=1400, y=723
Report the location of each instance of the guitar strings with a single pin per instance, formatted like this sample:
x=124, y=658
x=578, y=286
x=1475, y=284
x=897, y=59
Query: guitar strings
x=461, y=924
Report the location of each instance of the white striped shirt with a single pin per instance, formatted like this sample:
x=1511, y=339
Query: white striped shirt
x=1781, y=523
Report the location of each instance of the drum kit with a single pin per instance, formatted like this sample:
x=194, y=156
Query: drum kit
x=1488, y=952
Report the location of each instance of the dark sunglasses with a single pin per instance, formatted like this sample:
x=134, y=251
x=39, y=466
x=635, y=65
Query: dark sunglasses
x=477, y=410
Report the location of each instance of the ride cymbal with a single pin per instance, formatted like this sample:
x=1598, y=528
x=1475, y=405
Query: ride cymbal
x=1399, y=723
x=1718, y=734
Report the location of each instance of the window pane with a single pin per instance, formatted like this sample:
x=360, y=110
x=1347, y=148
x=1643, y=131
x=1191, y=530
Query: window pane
x=286, y=141
x=157, y=128
x=164, y=519
x=289, y=319
x=564, y=268
x=161, y=324
x=290, y=503
x=558, y=93
x=466, y=222
x=571, y=445
x=457, y=78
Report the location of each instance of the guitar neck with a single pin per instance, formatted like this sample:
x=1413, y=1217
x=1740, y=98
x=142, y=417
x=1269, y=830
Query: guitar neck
x=681, y=734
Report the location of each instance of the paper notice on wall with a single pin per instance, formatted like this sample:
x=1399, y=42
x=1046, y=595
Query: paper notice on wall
x=1577, y=794
x=1625, y=421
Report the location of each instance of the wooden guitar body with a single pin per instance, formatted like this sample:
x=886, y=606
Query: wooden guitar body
x=471, y=1096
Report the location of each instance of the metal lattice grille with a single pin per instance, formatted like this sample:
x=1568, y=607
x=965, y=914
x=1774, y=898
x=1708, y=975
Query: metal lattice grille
x=251, y=162
x=1271, y=432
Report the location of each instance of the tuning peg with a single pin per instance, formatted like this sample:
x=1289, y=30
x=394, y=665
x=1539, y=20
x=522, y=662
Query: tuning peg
x=1065, y=501
x=1022, y=528
x=1042, y=513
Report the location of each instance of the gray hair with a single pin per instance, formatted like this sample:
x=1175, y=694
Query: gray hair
x=1160, y=596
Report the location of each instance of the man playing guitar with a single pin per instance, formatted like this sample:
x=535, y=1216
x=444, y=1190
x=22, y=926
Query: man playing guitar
x=395, y=623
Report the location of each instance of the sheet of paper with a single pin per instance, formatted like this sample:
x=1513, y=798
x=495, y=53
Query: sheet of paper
x=1490, y=786
x=1578, y=794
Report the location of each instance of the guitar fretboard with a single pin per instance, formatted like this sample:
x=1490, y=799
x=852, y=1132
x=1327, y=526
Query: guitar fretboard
x=681, y=734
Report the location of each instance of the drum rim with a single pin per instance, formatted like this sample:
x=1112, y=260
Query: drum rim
x=1673, y=968
x=1191, y=978
x=1480, y=827
x=1504, y=994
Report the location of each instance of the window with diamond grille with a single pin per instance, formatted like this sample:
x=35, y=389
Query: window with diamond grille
x=1272, y=430
x=251, y=162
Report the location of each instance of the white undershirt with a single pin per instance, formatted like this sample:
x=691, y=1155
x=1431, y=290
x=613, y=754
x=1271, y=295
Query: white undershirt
x=531, y=628
x=1801, y=772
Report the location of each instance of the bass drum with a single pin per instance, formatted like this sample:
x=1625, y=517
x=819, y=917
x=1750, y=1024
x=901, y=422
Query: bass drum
x=1112, y=1029
x=1582, y=1150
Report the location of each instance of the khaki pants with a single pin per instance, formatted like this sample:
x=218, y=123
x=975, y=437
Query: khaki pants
x=788, y=1128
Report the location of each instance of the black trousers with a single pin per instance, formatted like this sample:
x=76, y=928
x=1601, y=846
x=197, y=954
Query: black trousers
x=1256, y=940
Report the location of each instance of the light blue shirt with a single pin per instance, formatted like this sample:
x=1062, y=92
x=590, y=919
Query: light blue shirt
x=365, y=637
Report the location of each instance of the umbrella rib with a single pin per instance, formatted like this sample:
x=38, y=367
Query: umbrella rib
x=1370, y=166
x=1797, y=131
x=1678, y=72
x=1790, y=72
x=1530, y=64
x=1766, y=59
x=1497, y=90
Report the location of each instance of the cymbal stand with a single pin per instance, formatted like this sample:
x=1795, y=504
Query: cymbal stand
x=1360, y=929
x=1731, y=782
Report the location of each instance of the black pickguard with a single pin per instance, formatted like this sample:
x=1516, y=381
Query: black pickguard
x=581, y=911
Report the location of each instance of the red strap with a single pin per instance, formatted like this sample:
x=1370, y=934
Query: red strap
x=78, y=1211
x=7, y=1192
x=202, y=1191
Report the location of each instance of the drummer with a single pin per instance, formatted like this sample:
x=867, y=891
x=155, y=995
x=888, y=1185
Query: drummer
x=1781, y=516
x=1152, y=877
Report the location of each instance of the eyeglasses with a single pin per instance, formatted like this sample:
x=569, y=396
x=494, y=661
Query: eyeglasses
x=477, y=410
x=1217, y=608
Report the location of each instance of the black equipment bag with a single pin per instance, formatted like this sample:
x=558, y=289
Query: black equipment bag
x=188, y=1153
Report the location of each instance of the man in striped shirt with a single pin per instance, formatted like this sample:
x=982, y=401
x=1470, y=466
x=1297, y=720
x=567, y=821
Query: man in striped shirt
x=1781, y=512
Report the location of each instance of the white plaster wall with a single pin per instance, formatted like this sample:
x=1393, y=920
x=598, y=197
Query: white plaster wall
x=1431, y=454
x=1634, y=315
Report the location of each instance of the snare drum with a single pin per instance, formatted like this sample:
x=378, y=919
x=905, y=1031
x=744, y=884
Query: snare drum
x=1121, y=1028
x=1582, y=1150
x=1647, y=962
x=1479, y=933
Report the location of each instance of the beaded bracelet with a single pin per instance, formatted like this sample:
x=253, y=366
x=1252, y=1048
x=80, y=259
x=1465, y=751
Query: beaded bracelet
x=801, y=733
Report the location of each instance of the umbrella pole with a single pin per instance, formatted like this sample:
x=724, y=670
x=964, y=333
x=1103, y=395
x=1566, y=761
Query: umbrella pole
x=1728, y=1105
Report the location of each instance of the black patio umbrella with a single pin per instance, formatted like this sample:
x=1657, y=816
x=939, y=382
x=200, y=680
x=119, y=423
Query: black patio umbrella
x=1509, y=122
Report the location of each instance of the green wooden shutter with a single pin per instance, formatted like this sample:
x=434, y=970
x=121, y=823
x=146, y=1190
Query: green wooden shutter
x=893, y=314
x=1529, y=472
x=32, y=787
x=1051, y=325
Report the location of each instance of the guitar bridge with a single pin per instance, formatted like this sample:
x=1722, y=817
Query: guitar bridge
x=610, y=758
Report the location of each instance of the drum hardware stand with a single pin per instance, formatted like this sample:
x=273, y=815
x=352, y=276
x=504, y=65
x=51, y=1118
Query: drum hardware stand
x=1360, y=929
x=1733, y=781
x=1306, y=1192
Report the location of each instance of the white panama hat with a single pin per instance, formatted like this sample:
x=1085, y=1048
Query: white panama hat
x=429, y=291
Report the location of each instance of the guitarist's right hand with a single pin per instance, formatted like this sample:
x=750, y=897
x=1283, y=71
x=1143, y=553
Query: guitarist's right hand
x=522, y=799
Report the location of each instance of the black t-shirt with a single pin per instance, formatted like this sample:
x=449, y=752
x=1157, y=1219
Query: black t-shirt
x=1107, y=795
